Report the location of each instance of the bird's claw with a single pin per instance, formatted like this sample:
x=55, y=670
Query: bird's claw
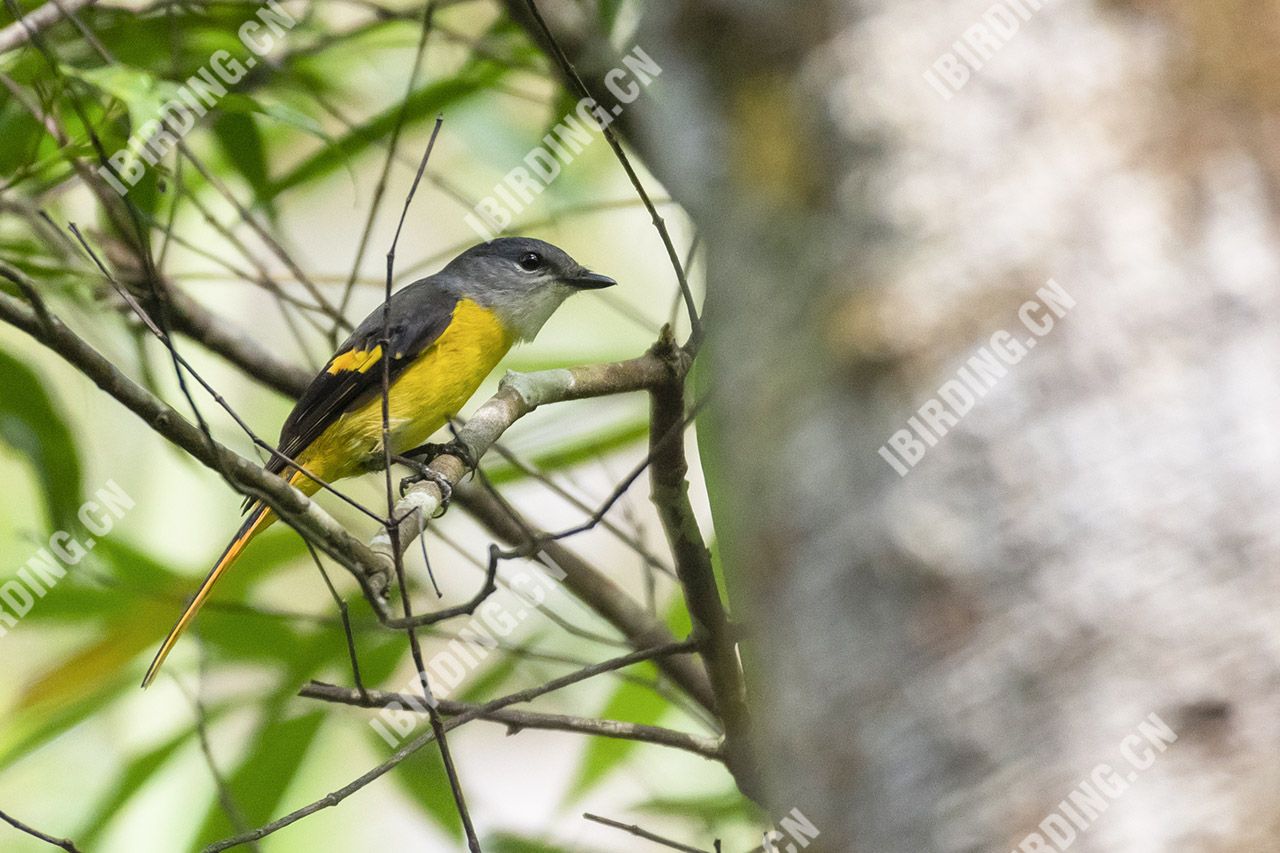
x=421, y=473
x=427, y=453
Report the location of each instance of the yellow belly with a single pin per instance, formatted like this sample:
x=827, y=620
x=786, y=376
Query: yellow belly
x=422, y=398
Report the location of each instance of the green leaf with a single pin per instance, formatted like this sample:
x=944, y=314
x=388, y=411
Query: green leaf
x=245, y=104
x=281, y=743
x=136, y=774
x=22, y=134
x=711, y=809
x=632, y=702
x=242, y=144
x=32, y=425
x=270, y=552
x=261, y=780
x=30, y=728
x=179, y=40
x=484, y=686
x=135, y=567
x=608, y=10
x=142, y=94
x=136, y=587
x=505, y=843
x=99, y=665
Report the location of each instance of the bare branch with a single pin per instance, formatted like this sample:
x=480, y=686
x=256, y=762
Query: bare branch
x=670, y=493
x=19, y=32
x=221, y=336
x=517, y=719
x=226, y=800
x=406, y=601
x=35, y=833
x=579, y=88
x=642, y=833
x=633, y=541
x=428, y=14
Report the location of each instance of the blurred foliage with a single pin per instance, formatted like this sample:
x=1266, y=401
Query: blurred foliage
x=308, y=118
x=31, y=424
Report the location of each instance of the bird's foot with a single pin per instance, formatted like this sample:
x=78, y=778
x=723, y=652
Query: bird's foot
x=427, y=453
x=421, y=473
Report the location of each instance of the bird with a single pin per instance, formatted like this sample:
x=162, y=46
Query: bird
x=447, y=332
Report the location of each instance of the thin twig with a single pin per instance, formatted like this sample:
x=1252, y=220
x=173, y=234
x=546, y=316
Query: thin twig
x=181, y=363
x=518, y=395
x=428, y=13
x=695, y=322
x=225, y=798
x=598, y=591
x=373, y=566
x=370, y=568
x=64, y=843
x=634, y=542
x=643, y=833
x=345, y=614
x=516, y=720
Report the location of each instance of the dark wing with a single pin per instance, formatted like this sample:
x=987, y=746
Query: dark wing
x=419, y=315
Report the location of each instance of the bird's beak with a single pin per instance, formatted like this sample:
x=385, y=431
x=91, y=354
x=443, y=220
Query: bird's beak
x=588, y=280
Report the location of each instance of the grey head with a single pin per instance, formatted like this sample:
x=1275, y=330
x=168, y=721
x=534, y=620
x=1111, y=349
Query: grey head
x=520, y=279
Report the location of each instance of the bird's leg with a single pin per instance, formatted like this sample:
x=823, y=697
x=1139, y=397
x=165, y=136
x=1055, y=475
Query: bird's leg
x=422, y=471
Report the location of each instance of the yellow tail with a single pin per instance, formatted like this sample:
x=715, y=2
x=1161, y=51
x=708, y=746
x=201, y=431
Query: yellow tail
x=259, y=520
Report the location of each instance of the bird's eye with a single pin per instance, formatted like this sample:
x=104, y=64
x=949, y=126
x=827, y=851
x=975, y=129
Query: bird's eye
x=531, y=262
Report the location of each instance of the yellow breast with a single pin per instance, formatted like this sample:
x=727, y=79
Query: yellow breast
x=422, y=399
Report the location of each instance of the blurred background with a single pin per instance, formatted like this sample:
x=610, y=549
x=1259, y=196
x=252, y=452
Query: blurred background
x=938, y=654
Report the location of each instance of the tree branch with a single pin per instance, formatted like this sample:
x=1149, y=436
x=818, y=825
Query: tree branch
x=577, y=86
x=668, y=475
x=224, y=338
x=64, y=843
x=518, y=719
x=19, y=32
x=642, y=833
x=519, y=395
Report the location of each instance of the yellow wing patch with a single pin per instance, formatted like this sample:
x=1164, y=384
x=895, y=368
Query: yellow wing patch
x=355, y=360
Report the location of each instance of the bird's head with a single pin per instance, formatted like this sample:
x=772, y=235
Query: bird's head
x=520, y=279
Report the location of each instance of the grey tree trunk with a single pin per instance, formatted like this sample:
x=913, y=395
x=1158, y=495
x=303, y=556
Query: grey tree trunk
x=937, y=660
